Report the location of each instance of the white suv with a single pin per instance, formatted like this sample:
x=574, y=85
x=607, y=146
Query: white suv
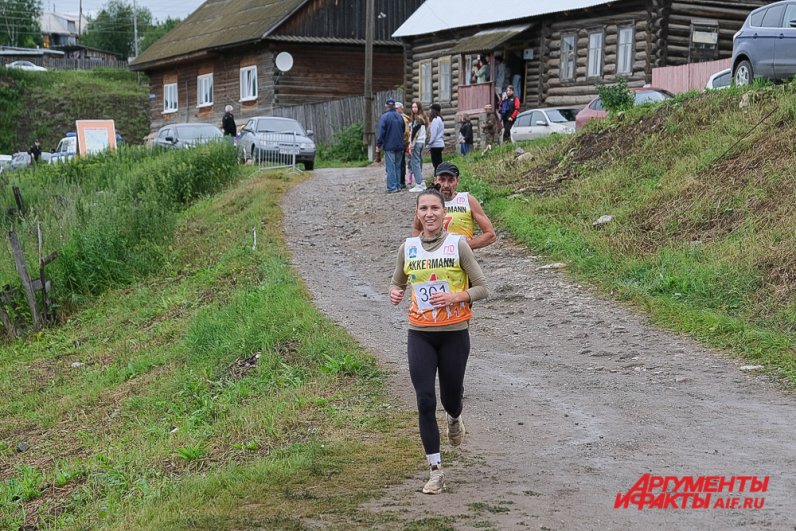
x=66, y=149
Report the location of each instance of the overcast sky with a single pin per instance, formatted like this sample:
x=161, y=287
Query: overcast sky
x=161, y=9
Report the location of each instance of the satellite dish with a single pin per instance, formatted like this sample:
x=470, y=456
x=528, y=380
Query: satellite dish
x=284, y=61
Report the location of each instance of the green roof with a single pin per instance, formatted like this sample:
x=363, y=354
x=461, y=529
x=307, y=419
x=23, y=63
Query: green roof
x=219, y=23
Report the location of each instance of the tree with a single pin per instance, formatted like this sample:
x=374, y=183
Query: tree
x=19, y=23
x=112, y=29
x=155, y=32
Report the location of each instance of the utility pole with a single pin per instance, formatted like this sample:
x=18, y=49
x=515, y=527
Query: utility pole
x=135, y=29
x=367, y=127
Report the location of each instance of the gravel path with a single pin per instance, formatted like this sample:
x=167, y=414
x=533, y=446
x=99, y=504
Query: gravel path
x=570, y=398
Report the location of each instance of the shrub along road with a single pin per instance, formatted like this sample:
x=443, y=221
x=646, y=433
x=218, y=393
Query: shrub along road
x=571, y=398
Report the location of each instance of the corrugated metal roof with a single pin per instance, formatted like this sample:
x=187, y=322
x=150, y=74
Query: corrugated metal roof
x=440, y=15
x=218, y=23
x=488, y=39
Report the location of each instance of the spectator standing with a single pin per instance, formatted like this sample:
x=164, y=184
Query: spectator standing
x=482, y=72
x=228, y=124
x=490, y=128
x=390, y=140
x=399, y=108
x=500, y=75
x=436, y=130
x=466, y=135
x=516, y=66
x=417, y=142
x=35, y=151
x=509, y=109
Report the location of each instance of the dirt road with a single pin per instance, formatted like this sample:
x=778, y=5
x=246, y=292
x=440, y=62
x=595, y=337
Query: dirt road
x=570, y=398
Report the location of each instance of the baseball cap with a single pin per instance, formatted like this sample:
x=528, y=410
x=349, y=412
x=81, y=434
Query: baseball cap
x=389, y=101
x=447, y=168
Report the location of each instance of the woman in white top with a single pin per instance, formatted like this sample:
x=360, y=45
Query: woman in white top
x=417, y=142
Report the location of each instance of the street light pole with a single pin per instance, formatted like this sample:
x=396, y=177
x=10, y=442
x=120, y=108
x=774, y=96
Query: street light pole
x=367, y=127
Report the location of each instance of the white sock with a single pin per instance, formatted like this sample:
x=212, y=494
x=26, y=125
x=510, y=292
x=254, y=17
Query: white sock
x=434, y=459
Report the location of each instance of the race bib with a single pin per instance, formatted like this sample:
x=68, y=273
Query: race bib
x=424, y=290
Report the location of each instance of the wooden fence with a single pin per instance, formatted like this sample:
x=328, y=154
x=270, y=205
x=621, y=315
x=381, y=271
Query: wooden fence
x=330, y=117
x=60, y=63
x=693, y=76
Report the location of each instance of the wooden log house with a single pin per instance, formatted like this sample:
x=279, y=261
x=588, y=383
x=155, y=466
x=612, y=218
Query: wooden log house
x=224, y=53
x=567, y=49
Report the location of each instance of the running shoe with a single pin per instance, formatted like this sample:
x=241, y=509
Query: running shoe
x=418, y=188
x=456, y=431
x=436, y=483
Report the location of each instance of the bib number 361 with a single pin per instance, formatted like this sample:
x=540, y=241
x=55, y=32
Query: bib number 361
x=424, y=291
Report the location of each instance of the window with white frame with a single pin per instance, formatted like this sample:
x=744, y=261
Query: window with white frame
x=204, y=90
x=445, y=78
x=568, y=57
x=624, y=54
x=248, y=83
x=170, y=97
x=425, y=82
x=594, y=64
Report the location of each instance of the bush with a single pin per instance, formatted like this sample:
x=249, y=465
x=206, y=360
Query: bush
x=110, y=217
x=346, y=146
x=617, y=97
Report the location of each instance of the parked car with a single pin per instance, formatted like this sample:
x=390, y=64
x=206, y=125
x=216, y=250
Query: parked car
x=765, y=46
x=272, y=138
x=20, y=160
x=187, y=135
x=644, y=95
x=26, y=65
x=5, y=162
x=719, y=80
x=65, y=150
x=536, y=123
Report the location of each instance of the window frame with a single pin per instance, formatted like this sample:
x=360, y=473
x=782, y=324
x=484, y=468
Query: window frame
x=201, y=91
x=597, y=55
x=421, y=82
x=243, y=85
x=169, y=87
x=569, y=59
x=445, y=79
x=628, y=46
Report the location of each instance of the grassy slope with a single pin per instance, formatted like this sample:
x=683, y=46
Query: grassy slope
x=702, y=237
x=46, y=105
x=165, y=425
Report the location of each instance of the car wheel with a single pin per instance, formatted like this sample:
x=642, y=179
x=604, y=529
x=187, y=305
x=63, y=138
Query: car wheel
x=743, y=74
x=309, y=165
x=254, y=158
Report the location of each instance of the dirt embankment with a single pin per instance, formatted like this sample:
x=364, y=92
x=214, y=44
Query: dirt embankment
x=570, y=398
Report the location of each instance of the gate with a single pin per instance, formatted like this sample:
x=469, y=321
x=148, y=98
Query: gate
x=276, y=150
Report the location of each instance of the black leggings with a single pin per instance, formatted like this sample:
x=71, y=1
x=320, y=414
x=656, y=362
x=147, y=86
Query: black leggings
x=436, y=157
x=429, y=353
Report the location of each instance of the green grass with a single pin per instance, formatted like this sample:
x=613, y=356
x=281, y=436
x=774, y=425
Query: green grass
x=45, y=105
x=702, y=236
x=211, y=395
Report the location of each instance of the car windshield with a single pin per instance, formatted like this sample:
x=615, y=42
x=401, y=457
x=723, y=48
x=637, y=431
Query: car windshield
x=279, y=126
x=192, y=132
x=562, y=115
x=650, y=96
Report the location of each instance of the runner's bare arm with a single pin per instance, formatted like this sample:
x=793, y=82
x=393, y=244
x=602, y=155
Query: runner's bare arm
x=487, y=236
x=399, y=278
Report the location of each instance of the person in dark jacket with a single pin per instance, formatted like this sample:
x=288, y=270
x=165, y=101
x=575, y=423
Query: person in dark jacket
x=509, y=109
x=466, y=135
x=228, y=123
x=390, y=141
x=35, y=151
